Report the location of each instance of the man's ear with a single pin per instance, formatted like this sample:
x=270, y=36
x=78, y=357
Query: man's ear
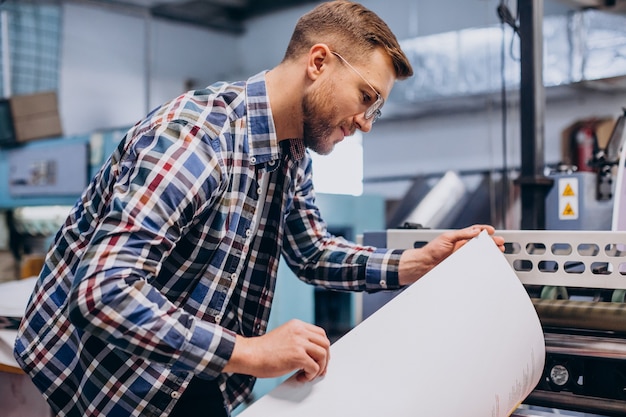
x=318, y=60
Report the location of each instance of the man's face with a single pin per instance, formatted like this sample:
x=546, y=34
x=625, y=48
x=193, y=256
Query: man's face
x=336, y=106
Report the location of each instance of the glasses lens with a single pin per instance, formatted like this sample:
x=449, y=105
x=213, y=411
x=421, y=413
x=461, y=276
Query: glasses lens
x=374, y=110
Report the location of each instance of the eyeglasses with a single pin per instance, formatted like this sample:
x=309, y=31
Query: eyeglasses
x=373, y=112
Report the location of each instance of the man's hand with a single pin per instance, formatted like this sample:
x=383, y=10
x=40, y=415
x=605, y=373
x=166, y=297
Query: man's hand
x=294, y=346
x=414, y=263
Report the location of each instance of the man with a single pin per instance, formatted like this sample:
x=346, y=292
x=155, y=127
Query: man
x=156, y=292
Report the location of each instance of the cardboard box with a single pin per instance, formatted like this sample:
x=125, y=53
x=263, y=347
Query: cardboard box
x=35, y=116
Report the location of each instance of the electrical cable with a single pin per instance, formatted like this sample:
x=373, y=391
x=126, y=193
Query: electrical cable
x=503, y=207
x=505, y=179
x=506, y=19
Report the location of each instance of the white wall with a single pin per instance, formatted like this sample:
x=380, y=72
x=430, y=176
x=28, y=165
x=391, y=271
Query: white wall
x=102, y=70
x=111, y=55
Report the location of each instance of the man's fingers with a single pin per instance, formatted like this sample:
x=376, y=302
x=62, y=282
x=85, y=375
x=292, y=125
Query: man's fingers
x=320, y=355
x=317, y=354
x=310, y=371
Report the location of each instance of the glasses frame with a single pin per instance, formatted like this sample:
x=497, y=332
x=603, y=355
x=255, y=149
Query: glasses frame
x=373, y=111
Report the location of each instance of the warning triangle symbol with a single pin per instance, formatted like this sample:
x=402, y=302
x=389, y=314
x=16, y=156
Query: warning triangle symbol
x=568, y=210
x=568, y=191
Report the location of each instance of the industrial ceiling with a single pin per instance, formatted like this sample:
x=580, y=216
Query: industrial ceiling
x=223, y=15
x=231, y=15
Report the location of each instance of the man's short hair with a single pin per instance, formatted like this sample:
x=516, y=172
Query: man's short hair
x=349, y=29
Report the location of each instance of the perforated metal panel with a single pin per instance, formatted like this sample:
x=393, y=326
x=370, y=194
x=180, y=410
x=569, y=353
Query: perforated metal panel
x=585, y=259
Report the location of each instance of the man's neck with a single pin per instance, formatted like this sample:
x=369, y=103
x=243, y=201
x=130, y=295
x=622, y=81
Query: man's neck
x=285, y=88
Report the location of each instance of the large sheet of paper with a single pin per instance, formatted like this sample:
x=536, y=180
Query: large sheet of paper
x=464, y=340
x=14, y=297
x=7, y=360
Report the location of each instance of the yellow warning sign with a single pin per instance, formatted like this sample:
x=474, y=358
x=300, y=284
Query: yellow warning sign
x=568, y=200
x=568, y=191
x=568, y=211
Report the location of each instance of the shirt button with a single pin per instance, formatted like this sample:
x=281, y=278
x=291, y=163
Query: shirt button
x=233, y=276
x=259, y=191
x=175, y=395
x=248, y=232
x=253, y=159
x=271, y=163
x=383, y=283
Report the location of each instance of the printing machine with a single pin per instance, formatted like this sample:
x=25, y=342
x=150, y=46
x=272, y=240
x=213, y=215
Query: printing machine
x=577, y=283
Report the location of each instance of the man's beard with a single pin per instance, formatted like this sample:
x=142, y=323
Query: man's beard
x=318, y=123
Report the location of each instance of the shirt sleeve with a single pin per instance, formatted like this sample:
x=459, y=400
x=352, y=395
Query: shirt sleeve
x=159, y=183
x=321, y=259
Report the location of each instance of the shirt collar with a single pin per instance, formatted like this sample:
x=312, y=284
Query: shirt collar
x=262, y=140
x=296, y=148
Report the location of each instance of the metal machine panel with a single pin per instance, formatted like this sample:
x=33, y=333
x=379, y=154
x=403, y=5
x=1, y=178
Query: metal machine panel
x=571, y=203
x=584, y=259
x=60, y=170
x=52, y=171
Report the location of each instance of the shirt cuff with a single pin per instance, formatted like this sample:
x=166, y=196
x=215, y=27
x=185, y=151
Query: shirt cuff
x=208, y=350
x=381, y=271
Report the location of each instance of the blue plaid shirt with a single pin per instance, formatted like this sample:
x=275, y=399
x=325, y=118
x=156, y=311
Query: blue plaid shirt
x=168, y=255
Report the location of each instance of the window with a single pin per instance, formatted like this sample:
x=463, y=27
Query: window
x=30, y=47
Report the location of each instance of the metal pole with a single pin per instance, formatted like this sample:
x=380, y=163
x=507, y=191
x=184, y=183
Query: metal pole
x=6, y=56
x=147, y=59
x=533, y=184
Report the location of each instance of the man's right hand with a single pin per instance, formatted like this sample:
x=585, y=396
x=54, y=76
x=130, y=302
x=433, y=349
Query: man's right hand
x=294, y=346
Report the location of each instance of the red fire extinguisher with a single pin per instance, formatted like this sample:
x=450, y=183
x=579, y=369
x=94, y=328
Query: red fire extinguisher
x=585, y=144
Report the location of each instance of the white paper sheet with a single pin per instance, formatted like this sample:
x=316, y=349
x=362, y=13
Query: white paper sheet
x=464, y=340
x=7, y=340
x=14, y=296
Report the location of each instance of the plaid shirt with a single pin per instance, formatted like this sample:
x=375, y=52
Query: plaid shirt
x=168, y=254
